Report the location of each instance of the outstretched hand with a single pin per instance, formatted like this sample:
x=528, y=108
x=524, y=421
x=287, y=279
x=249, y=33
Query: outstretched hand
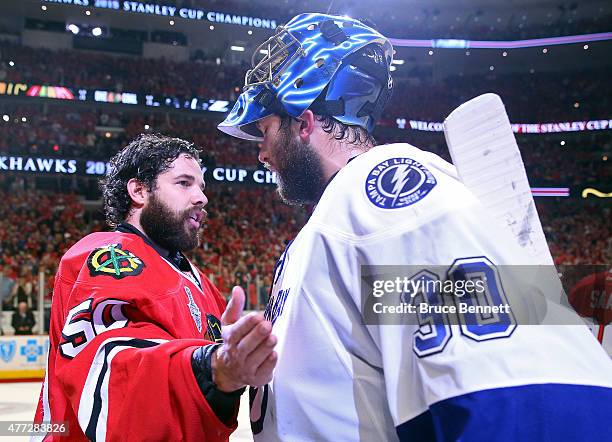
x=247, y=355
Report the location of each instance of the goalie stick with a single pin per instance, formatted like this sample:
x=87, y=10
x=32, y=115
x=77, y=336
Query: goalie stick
x=489, y=163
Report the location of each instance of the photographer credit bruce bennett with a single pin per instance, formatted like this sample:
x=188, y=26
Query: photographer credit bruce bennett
x=409, y=287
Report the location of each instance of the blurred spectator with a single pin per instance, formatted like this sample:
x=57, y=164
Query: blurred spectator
x=419, y=94
x=248, y=228
x=6, y=288
x=579, y=160
x=23, y=319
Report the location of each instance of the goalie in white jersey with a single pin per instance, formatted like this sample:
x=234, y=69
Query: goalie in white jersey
x=312, y=101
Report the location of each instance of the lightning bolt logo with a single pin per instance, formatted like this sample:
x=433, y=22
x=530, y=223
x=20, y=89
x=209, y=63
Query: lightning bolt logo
x=396, y=177
x=399, y=178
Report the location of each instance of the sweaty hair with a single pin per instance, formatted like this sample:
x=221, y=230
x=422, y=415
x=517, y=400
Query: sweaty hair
x=345, y=133
x=339, y=131
x=143, y=159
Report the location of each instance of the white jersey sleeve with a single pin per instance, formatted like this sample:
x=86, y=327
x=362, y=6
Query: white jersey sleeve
x=342, y=376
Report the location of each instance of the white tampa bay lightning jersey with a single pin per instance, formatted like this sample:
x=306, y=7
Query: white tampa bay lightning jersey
x=338, y=379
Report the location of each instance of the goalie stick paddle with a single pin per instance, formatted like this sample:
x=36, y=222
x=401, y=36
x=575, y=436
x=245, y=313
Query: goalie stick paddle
x=488, y=161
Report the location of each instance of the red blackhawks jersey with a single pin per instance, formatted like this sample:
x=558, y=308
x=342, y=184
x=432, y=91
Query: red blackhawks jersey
x=124, y=324
x=591, y=297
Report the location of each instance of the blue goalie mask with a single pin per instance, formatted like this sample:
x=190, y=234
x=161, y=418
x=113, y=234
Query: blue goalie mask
x=334, y=66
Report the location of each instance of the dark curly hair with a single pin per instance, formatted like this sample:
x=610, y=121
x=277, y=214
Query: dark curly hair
x=143, y=159
x=339, y=131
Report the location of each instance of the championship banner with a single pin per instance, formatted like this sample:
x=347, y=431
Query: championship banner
x=517, y=128
x=23, y=357
x=68, y=166
x=221, y=174
x=168, y=10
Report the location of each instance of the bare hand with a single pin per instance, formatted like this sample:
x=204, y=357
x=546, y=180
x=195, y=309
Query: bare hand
x=247, y=356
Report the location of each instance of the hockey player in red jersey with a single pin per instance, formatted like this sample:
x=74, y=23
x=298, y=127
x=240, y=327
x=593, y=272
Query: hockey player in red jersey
x=136, y=346
x=592, y=298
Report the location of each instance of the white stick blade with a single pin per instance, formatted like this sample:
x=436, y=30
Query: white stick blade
x=488, y=160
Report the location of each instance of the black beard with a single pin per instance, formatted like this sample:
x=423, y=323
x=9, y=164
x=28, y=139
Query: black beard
x=299, y=170
x=167, y=228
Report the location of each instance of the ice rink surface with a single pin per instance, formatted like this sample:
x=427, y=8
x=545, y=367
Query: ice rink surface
x=18, y=402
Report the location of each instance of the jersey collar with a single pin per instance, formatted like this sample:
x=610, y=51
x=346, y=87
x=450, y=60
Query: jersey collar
x=176, y=258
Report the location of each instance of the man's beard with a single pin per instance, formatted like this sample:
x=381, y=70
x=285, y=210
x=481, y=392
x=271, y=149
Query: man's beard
x=298, y=168
x=167, y=228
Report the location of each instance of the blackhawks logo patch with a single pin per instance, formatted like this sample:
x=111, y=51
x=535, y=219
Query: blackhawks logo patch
x=112, y=260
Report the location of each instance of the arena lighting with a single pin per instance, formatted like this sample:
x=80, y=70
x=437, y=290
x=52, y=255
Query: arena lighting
x=24, y=120
x=97, y=31
x=453, y=43
x=6, y=118
x=73, y=28
x=11, y=63
x=398, y=62
x=237, y=48
x=263, y=51
x=596, y=193
x=392, y=68
x=449, y=43
x=550, y=191
x=43, y=7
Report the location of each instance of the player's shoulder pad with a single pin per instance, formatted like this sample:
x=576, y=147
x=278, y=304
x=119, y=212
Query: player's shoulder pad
x=109, y=256
x=389, y=185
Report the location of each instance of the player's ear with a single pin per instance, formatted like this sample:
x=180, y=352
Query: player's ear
x=138, y=192
x=307, y=125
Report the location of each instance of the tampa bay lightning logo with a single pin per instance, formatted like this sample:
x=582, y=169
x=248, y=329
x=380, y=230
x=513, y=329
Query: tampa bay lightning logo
x=398, y=182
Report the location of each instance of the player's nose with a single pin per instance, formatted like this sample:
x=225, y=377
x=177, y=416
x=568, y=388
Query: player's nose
x=263, y=155
x=199, y=198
